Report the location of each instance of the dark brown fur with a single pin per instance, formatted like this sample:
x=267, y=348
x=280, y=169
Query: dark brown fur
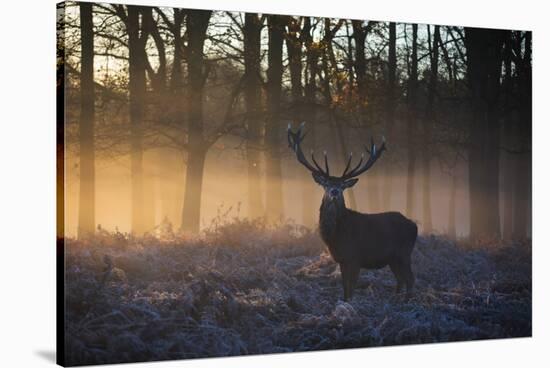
x=357, y=240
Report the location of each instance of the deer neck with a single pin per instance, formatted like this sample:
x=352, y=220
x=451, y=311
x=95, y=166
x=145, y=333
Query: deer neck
x=331, y=213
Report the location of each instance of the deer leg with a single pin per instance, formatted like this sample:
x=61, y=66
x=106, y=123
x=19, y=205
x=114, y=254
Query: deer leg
x=398, y=272
x=345, y=271
x=409, y=277
x=353, y=277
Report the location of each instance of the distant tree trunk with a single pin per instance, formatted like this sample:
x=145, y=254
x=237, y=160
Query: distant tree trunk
x=169, y=173
x=137, y=89
x=391, y=103
x=524, y=161
x=274, y=201
x=509, y=140
x=197, y=21
x=60, y=110
x=329, y=65
x=428, y=129
x=412, y=122
x=483, y=49
x=309, y=209
x=302, y=106
x=172, y=194
x=150, y=173
x=252, y=94
x=360, y=35
x=86, y=210
x=452, y=208
x=294, y=51
x=176, y=78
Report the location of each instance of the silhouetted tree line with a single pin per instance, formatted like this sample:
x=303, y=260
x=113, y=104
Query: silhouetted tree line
x=439, y=94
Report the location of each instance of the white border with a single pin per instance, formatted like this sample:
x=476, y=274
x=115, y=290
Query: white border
x=27, y=193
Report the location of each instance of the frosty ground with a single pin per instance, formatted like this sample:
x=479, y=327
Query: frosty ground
x=246, y=288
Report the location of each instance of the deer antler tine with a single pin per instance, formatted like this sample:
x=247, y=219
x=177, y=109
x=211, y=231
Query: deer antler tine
x=301, y=127
x=294, y=141
x=326, y=162
x=315, y=163
x=352, y=171
x=290, y=136
x=348, y=164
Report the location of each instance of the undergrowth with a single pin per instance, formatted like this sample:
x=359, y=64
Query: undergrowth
x=243, y=287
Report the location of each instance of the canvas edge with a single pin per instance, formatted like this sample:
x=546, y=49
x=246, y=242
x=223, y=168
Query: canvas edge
x=60, y=188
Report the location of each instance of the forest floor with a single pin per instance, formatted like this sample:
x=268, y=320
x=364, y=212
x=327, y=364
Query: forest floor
x=244, y=288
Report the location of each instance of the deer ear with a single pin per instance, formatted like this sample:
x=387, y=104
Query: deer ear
x=349, y=183
x=318, y=178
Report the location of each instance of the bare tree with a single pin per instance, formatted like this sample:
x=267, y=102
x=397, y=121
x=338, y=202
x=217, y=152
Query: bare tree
x=428, y=130
x=412, y=92
x=309, y=214
x=254, y=114
x=86, y=208
x=360, y=32
x=197, y=21
x=137, y=86
x=522, y=195
x=274, y=198
x=391, y=102
x=484, y=60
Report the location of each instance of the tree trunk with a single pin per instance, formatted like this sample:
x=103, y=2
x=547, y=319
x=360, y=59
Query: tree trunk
x=169, y=188
x=148, y=26
x=137, y=89
x=150, y=175
x=510, y=136
x=309, y=208
x=274, y=201
x=336, y=126
x=342, y=142
x=60, y=111
x=176, y=78
x=411, y=123
x=294, y=51
x=522, y=195
x=360, y=35
x=197, y=21
x=483, y=49
x=172, y=194
x=391, y=103
x=452, y=208
x=252, y=94
x=86, y=210
x=428, y=129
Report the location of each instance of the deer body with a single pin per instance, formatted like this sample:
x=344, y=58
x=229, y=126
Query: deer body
x=357, y=240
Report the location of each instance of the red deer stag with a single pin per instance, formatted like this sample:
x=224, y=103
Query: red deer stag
x=359, y=240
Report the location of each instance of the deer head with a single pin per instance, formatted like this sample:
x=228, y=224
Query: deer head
x=334, y=186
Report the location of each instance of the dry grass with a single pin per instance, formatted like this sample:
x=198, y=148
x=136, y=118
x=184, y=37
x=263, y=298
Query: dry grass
x=247, y=288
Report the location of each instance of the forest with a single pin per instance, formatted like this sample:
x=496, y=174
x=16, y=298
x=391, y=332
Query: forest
x=156, y=108
x=190, y=230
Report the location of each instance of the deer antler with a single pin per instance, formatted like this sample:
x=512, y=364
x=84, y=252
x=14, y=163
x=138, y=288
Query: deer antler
x=296, y=138
x=374, y=154
x=294, y=141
